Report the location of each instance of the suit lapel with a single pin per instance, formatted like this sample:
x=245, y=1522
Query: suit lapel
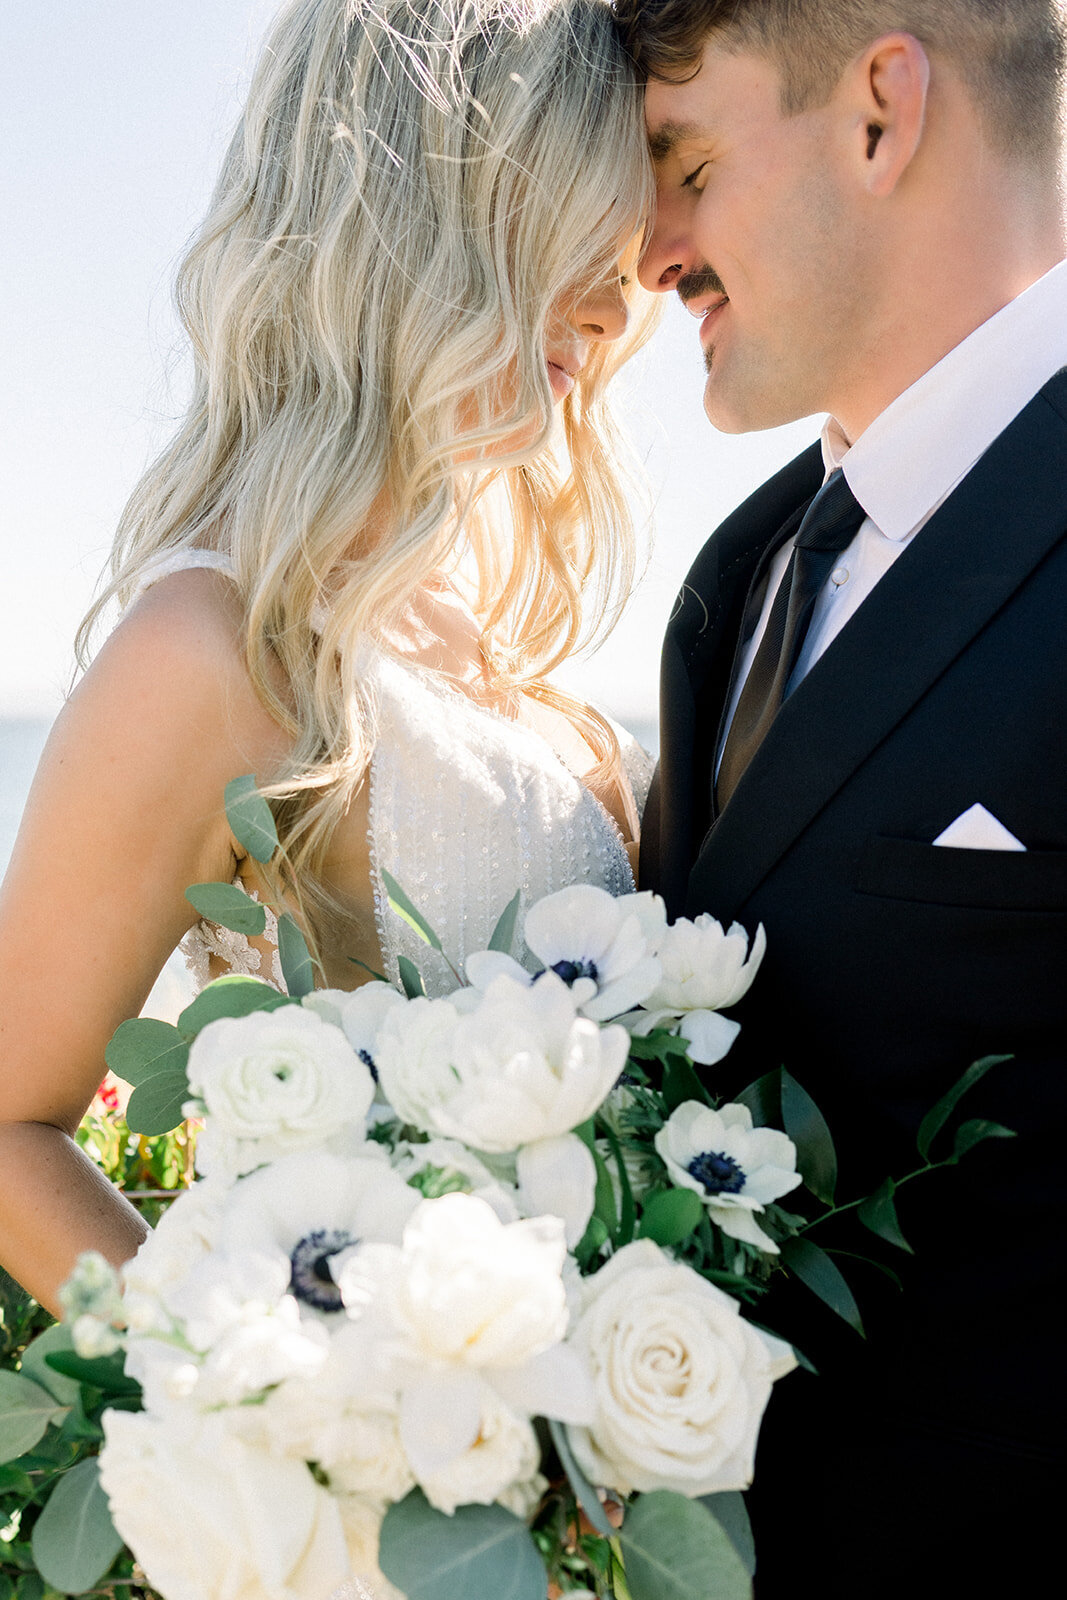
x=696, y=665
x=944, y=588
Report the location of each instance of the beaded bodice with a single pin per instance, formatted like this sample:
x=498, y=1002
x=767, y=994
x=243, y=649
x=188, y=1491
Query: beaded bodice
x=466, y=806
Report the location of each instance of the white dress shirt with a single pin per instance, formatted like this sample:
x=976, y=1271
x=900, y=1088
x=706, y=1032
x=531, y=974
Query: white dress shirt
x=917, y=450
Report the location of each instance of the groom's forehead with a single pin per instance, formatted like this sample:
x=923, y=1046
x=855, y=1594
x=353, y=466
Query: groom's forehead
x=665, y=136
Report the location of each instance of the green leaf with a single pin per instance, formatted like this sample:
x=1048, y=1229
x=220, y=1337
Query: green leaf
x=815, y=1268
x=106, y=1373
x=670, y=1215
x=503, y=935
x=157, y=1106
x=356, y=962
x=595, y=1236
x=295, y=957
x=675, y=1549
x=410, y=978
x=627, y=1208
x=142, y=1047
x=968, y=1134
x=481, y=1550
x=764, y=1099
x=229, y=906
x=806, y=1126
x=74, y=1539
x=403, y=907
x=939, y=1114
x=13, y=1480
x=879, y=1213
x=584, y=1492
x=250, y=817
x=730, y=1512
x=233, y=996
x=680, y=1084
x=30, y=1587
x=604, y=1195
x=25, y=1413
x=55, y=1340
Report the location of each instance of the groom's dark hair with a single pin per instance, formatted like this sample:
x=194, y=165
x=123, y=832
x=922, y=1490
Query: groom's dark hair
x=1009, y=53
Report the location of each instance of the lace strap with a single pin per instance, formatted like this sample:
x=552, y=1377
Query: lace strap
x=188, y=560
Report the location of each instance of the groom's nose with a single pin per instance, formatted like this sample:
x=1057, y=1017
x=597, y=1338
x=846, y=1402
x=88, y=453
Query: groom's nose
x=669, y=251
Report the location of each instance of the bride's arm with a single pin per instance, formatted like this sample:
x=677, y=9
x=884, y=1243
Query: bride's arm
x=125, y=813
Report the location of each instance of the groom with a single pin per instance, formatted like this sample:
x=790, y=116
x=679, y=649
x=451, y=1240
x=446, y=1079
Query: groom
x=864, y=708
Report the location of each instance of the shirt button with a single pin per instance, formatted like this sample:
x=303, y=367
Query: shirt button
x=839, y=576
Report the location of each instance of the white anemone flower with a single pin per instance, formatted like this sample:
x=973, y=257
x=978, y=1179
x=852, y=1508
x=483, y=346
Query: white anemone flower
x=736, y=1169
x=705, y=970
x=520, y=1066
x=472, y=1312
x=557, y=1177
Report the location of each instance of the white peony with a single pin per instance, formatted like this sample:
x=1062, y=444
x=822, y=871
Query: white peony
x=271, y=1083
x=503, y=1455
x=704, y=971
x=681, y=1380
x=521, y=1066
x=205, y=1515
x=736, y=1169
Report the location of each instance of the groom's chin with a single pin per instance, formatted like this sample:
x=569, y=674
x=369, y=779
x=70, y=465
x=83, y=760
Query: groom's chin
x=747, y=408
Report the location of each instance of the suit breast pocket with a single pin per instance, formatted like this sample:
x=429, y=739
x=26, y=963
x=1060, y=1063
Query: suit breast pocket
x=1009, y=880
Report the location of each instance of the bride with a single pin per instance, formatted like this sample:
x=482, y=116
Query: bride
x=390, y=510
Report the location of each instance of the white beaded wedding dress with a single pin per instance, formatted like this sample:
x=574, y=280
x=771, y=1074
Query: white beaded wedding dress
x=466, y=806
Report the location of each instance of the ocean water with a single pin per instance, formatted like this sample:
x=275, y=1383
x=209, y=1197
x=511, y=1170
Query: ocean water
x=21, y=743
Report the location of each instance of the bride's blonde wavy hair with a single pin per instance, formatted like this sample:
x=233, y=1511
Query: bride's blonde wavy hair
x=412, y=189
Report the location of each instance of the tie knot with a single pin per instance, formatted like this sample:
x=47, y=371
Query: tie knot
x=833, y=518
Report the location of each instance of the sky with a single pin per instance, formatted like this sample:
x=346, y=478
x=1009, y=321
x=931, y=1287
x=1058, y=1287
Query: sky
x=114, y=115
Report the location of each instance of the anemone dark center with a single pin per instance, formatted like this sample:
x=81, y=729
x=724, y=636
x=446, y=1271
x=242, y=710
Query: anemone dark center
x=571, y=971
x=719, y=1173
x=310, y=1277
x=368, y=1061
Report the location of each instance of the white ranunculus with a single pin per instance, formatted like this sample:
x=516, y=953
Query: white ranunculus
x=206, y=1515
x=557, y=1177
x=271, y=1083
x=736, y=1169
x=521, y=1066
x=503, y=1455
x=469, y=1304
x=681, y=1380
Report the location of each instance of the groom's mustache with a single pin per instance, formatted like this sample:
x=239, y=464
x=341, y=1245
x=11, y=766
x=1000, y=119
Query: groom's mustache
x=702, y=280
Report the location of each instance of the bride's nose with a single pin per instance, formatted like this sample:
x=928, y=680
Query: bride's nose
x=603, y=312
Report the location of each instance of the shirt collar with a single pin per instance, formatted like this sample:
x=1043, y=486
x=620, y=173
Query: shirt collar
x=950, y=416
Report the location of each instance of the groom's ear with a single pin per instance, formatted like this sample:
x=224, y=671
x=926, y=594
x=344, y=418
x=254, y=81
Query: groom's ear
x=888, y=87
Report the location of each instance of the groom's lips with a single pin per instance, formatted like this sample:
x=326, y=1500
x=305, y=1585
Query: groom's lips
x=709, y=316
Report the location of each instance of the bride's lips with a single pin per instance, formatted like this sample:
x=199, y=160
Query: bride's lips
x=561, y=379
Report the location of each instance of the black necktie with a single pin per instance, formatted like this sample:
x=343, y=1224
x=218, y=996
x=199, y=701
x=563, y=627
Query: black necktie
x=829, y=526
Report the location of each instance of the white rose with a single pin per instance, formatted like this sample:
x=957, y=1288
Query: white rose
x=271, y=1083
x=736, y=1169
x=205, y=1515
x=681, y=1380
x=521, y=1066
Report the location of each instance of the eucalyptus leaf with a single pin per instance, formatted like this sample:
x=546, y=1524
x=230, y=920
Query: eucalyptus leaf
x=250, y=817
x=406, y=909
x=235, y=995
x=74, y=1539
x=373, y=971
x=142, y=1047
x=584, y=1492
x=229, y=906
x=815, y=1268
x=764, y=1099
x=503, y=935
x=939, y=1114
x=410, y=978
x=879, y=1213
x=53, y=1341
x=675, y=1549
x=968, y=1134
x=670, y=1215
x=480, y=1550
x=158, y=1105
x=25, y=1413
x=295, y=957
x=730, y=1512
x=806, y=1126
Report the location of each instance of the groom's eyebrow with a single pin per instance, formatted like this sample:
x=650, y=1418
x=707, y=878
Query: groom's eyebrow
x=668, y=136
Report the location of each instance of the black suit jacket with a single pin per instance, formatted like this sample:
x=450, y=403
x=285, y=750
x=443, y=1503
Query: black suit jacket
x=892, y=963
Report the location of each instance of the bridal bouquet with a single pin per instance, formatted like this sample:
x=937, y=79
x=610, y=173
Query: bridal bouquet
x=458, y=1305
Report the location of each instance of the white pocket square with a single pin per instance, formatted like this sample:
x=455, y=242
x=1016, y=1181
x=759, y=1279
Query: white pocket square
x=978, y=829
